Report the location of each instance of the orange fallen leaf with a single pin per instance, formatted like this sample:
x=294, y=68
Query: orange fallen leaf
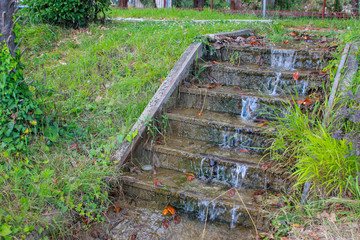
x=284, y=238
x=95, y=162
x=297, y=225
x=190, y=178
x=199, y=114
x=171, y=210
x=189, y=174
x=243, y=150
x=165, y=212
x=260, y=192
x=262, y=124
x=307, y=102
x=117, y=209
x=286, y=42
x=231, y=192
x=215, y=62
x=177, y=219
x=165, y=224
x=296, y=75
x=157, y=183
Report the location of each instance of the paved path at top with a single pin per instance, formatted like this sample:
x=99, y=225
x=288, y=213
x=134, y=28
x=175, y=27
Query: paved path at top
x=197, y=21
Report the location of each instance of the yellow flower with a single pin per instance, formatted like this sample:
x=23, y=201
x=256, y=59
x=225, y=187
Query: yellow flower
x=26, y=131
x=33, y=122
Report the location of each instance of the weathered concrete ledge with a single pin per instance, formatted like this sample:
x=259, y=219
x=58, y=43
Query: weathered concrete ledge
x=167, y=88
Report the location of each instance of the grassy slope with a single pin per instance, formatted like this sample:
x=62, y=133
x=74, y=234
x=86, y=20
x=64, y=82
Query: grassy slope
x=101, y=79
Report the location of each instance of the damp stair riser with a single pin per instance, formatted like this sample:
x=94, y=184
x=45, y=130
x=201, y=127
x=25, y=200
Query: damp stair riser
x=214, y=169
x=200, y=98
x=195, y=205
x=265, y=81
x=301, y=58
x=227, y=136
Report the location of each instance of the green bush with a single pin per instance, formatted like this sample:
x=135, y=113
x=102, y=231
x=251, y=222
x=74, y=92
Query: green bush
x=69, y=13
x=18, y=112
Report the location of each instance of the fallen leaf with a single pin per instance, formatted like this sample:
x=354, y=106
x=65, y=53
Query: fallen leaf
x=262, y=124
x=215, y=62
x=284, y=238
x=85, y=220
x=260, y=192
x=171, y=210
x=74, y=146
x=117, y=209
x=307, y=102
x=296, y=75
x=296, y=225
x=259, y=120
x=63, y=63
x=189, y=174
x=265, y=166
x=165, y=212
x=102, y=35
x=165, y=224
x=237, y=87
x=199, y=114
x=231, y=192
x=132, y=63
x=294, y=34
x=157, y=183
x=243, y=150
x=286, y=42
x=190, y=178
x=177, y=219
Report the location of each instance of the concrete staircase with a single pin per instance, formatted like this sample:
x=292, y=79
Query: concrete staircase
x=217, y=129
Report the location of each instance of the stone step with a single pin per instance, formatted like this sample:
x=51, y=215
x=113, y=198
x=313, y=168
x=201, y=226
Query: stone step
x=195, y=197
x=232, y=100
x=299, y=58
x=260, y=78
x=214, y=163
x=223, y=129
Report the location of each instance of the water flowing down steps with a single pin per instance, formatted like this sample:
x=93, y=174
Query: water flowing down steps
x=214, y=130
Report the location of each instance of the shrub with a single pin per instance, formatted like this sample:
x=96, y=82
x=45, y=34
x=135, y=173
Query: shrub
x=18, y=112
x=69, y=13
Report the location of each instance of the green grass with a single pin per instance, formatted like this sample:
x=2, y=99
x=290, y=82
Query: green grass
x=93, y=85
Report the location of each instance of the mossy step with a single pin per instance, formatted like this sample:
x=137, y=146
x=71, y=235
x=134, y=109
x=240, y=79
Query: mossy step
x=215, y=163
x=231, y=100
x=224, y=129
x=311, y=59
x=260, y=78
x=195, y=196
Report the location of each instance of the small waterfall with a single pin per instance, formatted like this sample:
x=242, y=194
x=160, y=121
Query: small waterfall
x=187, y=205
x=202, y=172
x=238, y=174
x=214, y=211
x=234, y=216
x=249, y=107
x=304, y=88
x=283, y=59
x=276, y=84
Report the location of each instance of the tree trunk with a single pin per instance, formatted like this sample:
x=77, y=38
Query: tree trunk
x=7, y=10
x=195, y=4
x=235, y=4
x=122, y=3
